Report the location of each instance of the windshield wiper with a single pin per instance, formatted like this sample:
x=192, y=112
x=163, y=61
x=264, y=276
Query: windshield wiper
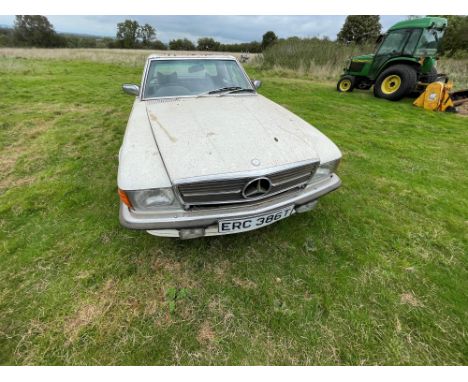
x=223, y=89
x=241, y=90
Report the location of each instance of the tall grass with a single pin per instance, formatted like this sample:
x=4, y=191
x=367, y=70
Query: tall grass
x=456, y=69
x=325, y=60
x=313, y=57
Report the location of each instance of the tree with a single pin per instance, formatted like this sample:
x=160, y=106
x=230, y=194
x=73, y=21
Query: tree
x=455, y=36
x=128, y=33
x=181, y=44
x=147, y=34
x=158, y=45
x=6, y=37
x=35, y=30
x=269, y=38
x=207, y=43
x=360, y=29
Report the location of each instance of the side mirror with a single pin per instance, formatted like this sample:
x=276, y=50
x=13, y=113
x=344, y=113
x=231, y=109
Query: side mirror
x=257, y=83
x=131, y=89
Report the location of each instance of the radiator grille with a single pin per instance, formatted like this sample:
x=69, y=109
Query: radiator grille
x=356, y=66
x=224, y=191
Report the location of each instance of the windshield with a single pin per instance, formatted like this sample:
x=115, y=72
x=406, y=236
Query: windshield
x=173, y=78
x=393, y=42
x=429, y=42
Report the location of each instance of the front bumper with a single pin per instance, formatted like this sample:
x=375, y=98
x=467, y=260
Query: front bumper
x=170, y=222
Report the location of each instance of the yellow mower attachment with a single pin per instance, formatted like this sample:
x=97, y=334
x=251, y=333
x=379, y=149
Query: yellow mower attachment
x=439, y=97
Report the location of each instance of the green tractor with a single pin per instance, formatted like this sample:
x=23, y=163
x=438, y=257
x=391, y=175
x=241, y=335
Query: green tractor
x=404, y=57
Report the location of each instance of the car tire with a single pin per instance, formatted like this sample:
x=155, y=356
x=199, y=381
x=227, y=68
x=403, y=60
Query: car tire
x=346, y=84
x=395, y=82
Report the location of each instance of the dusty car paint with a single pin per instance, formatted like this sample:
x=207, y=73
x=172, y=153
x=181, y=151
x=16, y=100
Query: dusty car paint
x=179, y=139
x=258, y=129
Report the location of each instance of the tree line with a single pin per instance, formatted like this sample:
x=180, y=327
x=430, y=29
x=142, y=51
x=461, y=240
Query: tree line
x=37, y=31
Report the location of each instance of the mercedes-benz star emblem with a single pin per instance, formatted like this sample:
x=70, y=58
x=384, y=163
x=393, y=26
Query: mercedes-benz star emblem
x=256, y=187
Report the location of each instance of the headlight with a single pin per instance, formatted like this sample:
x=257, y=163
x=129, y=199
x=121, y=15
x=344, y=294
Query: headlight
x=325, y=170
x=151, y=199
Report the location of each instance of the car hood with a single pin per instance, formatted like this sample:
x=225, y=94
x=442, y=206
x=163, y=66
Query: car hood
x=223, y=134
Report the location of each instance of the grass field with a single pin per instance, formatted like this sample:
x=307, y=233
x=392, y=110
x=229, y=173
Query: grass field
x=377, y=274
x=129, y=57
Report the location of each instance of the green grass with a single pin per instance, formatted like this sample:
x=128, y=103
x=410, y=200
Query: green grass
x=377, y=274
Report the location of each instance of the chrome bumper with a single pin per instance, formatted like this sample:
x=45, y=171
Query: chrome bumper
x=167, y=223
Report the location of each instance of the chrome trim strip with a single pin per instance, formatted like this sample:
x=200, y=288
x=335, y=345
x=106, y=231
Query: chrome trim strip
x=212, y=193
x=291, y=180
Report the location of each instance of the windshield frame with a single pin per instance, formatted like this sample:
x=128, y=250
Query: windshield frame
x=175, y=58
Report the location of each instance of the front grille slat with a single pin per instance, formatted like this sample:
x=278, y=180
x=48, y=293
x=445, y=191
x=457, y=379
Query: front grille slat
x=200, y=193
x=296, y=178
x=225, y=191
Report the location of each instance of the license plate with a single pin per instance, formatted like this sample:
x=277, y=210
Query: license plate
x=254, y=222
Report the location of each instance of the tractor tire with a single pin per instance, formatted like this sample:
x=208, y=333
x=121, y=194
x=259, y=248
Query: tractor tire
x=346, y=84
x=395, y=82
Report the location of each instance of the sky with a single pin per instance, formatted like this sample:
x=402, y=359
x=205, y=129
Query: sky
x=227, y=29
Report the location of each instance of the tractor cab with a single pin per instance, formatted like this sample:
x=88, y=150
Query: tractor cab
x=404, y=55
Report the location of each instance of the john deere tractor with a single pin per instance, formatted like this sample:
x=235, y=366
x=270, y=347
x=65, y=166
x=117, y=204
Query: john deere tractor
x=404, y=57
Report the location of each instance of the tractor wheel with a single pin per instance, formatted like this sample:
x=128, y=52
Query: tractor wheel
x=395, y=82
x=364, y=85
x=346, y=84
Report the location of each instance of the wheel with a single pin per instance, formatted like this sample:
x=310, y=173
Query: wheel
x=395, y=82
x=346, y=84
x=363, y=85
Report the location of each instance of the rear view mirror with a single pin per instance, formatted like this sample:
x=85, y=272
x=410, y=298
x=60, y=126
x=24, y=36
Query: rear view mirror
x=196, y=68
x=131, y=89
x=257, y=83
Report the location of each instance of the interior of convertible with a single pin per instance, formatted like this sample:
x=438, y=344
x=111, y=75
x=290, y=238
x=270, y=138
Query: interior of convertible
x=185, y=77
